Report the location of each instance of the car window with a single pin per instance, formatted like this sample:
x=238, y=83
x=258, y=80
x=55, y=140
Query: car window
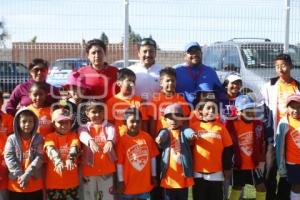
x=295, y=55
x=20, y=69
x=255, y=56
x=6, y=68
x=231, y=59
x=212, y=57
x=68, y=64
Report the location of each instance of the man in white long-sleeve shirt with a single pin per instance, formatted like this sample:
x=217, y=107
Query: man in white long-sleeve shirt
x=146, y=71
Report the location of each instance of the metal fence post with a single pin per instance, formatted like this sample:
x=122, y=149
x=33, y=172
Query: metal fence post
x=126, y=32
x=287, y=26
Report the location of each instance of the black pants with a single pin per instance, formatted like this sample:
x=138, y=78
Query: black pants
x=38, y=195
x=157, y=192
x=283, y=188
x=176, y=194
x=207, y=190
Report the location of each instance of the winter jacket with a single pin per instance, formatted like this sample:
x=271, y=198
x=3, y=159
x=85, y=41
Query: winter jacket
x=270, y=98
x=84, y=136
x=186, y=154
x=13, y=153
x=281, y=132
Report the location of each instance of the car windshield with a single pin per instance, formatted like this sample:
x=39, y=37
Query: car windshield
x=258, y=56
x=68, y=64
x=294, y=52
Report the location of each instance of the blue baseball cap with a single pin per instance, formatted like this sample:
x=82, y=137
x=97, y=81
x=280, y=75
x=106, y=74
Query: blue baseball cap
x=190, y=45
x=243, y=102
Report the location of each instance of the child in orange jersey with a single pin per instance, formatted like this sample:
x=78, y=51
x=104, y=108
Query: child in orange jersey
x=250, y=137
x=117, y=105
x=287, y=145
x=98, y=137
x=6, y=120
x=136, y=152
x=62, y=148
x=24, y=157
x=176, y=162
x=160, y=101
x=3, y=170
x=166, y=97
x=37, y=94
x=212, y=152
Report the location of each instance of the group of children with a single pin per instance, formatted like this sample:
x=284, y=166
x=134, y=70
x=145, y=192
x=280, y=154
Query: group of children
x=112, y=150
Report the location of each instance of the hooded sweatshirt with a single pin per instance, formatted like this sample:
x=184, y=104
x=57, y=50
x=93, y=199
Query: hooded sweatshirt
x=13, y=155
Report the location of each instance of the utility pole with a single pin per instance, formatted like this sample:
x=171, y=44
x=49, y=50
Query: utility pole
x=287, y=26
x=126, y=32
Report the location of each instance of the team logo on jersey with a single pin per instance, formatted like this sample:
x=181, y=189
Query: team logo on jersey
x=295, y=134
x=138, y=155
x=246, y=143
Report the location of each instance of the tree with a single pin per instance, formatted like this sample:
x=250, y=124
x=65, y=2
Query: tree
x=134, y=38
x=33, y=40
x=104, y=38
x=3, y=33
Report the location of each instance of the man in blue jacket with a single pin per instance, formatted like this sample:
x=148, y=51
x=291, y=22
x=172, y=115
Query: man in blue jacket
x=193, y=72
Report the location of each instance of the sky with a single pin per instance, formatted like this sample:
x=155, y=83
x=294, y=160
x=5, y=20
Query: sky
x=172, y=23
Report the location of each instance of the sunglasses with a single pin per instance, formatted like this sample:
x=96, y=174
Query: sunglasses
x=148, y=42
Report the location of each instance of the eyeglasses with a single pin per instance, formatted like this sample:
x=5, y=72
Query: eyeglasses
x=282, y=66
x=148, y=41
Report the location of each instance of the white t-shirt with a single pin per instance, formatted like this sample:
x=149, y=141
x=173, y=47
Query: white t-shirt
x=147, y=80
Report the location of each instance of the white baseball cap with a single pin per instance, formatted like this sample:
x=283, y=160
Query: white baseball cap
x=233, y=77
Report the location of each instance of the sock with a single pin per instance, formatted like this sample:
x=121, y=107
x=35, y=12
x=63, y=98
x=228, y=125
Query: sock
x=235, y=194
x=295, y=196
x=260, y=195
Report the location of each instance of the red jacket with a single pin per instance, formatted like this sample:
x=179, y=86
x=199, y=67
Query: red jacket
x=258, y=154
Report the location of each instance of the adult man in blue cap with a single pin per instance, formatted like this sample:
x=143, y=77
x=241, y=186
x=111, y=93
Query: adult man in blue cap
x=193, y=72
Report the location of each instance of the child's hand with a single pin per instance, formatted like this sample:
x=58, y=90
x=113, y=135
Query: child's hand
x=121, y=187
x=227, y=174
x=194, y=136
x=108, y=147
x=59, y=168
x=158, y=139
x=94, y=146
x=154, y=181
x=23, y=180
x=70, y=165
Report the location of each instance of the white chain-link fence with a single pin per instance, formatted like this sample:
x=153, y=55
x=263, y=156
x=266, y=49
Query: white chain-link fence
x=58, y=29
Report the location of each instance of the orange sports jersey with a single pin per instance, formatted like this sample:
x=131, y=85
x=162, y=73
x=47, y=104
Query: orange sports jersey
x=244, y=133
x=6, y=123
x=44, y=115
x=293, y=141
x=135, y=154
x=174, y=177
x=3, y=168
x=33, y=184
x=116, y=107
x=284, y=90
x=213, y=137
x=102, y=163
x=62, y=143
x=158, y=105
